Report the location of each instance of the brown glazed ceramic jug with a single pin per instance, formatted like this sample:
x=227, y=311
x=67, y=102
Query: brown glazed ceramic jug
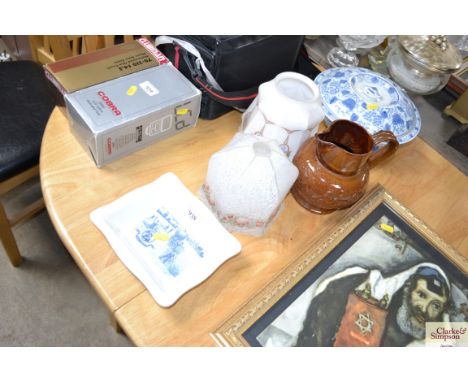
x=334, y=166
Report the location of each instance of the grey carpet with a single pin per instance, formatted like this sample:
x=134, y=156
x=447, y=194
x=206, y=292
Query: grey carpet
x=47, y=301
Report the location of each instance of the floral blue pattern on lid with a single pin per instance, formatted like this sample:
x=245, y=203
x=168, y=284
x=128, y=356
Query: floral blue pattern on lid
x=370, y=99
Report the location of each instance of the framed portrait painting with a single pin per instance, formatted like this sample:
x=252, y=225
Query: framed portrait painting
x=377, y=279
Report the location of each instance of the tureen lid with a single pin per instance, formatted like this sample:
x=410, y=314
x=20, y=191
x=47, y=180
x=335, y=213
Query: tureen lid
x=370, y=99
x=435, y=53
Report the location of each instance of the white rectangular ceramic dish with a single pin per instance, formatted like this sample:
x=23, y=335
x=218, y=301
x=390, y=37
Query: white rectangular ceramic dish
x=166, y=237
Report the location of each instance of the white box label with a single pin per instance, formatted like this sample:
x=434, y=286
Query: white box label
x=149, y=88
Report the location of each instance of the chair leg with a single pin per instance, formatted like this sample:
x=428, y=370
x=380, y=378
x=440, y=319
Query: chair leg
x=8, y=240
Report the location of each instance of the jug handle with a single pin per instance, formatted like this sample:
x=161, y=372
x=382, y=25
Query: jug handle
x=391, y=144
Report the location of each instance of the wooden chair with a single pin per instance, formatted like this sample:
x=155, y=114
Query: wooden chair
x=25, y=106
x=21, y=130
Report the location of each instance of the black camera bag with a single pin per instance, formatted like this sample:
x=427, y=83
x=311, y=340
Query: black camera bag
x=229, y=69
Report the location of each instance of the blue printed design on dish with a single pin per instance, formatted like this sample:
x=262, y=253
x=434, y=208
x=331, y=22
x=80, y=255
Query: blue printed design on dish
x=397, y=120
x=349, y=103
x=169, y=240
x=372, y=100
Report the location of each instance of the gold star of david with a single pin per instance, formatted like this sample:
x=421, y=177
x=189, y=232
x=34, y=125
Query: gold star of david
x=364, y=323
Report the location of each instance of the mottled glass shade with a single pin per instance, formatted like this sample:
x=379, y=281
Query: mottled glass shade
x=246, y=183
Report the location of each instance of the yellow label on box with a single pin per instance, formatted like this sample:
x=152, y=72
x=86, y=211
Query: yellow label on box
x=182, y=111
x=132, y=90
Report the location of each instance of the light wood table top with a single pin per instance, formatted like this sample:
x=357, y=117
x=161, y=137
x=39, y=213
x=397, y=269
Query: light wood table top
x=416, y=175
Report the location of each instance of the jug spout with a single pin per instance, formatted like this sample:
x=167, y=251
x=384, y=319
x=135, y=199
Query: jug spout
x=345, y=148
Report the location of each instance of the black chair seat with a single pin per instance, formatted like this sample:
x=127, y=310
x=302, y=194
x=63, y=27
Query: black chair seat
x=25, y=106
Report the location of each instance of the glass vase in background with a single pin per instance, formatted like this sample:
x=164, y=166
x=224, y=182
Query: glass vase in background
x=349, y=46
x=460, y=42
x=377, y=57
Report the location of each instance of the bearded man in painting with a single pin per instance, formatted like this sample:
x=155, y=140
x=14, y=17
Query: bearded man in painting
x=358, y=307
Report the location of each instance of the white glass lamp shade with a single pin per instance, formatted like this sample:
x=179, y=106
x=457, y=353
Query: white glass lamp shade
x=287, y=109
x=246, y=183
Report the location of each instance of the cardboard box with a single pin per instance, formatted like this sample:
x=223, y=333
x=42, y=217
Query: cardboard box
x=115, y=118
x=79, y=72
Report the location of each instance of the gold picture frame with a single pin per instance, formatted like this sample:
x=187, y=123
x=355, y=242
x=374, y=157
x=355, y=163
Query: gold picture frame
x=367, y=217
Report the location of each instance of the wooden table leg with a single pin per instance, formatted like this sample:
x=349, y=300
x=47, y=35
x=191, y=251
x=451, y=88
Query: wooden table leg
x=115, y=323
x=8, y=240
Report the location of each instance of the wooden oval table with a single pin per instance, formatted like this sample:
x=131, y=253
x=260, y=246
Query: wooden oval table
x=416, y=175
